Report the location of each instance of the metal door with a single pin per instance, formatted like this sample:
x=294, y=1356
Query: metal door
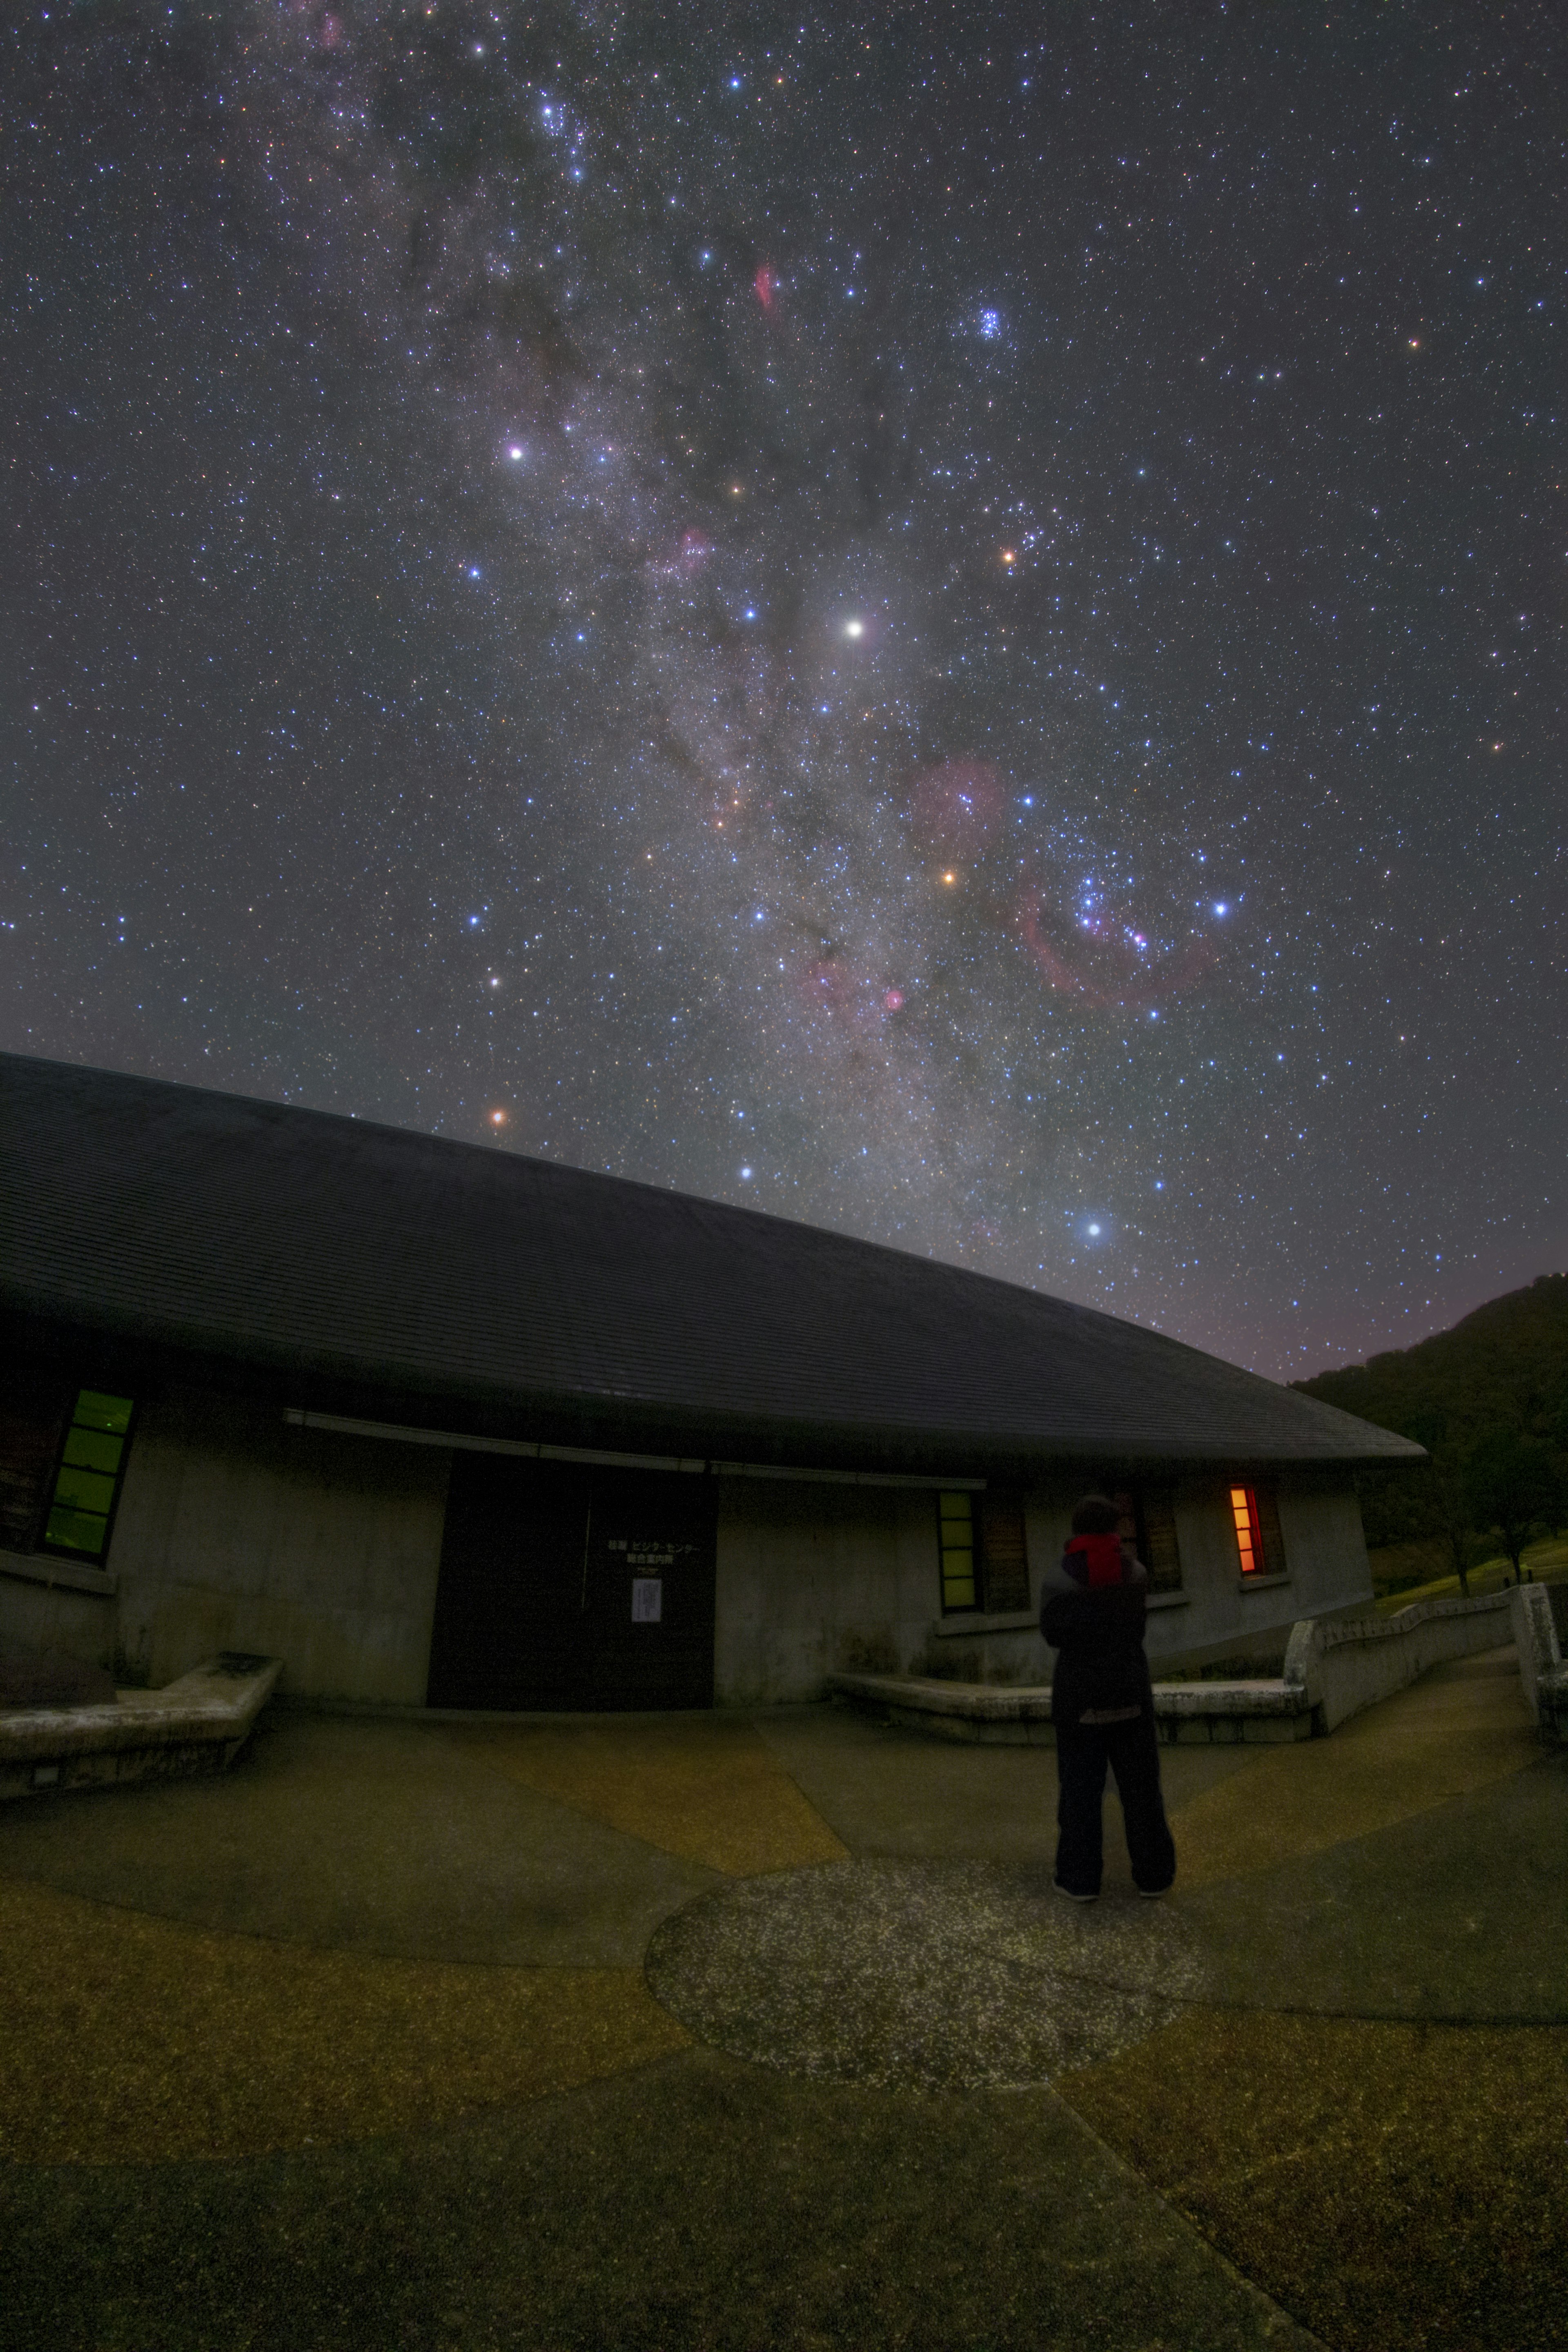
x=567, y=1588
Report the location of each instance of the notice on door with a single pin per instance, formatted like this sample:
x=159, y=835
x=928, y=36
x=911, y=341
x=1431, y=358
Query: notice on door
x=648, y=1600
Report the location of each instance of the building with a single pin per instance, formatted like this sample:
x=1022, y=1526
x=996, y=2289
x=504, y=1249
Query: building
x=439, y=1425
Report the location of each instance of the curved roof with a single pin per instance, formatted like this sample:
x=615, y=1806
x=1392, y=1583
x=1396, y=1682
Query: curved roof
x=353, y=1260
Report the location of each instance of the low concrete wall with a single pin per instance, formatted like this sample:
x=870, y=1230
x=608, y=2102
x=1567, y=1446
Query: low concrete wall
x=1540, y=1666
x=968, y=1711
x=1332, y=1670
x=1345, y=1666
x=1183, y=1712
x=198, y=1724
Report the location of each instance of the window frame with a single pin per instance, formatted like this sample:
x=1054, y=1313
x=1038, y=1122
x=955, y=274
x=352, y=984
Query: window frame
x=1267, y=1537
x=969, y=1518
x=53, y=1548
x=979, y=1506
x=1145, y=1504
x=1002, y=1503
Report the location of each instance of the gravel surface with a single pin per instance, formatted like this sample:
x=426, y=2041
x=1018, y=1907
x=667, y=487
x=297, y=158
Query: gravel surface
x=934, y=1976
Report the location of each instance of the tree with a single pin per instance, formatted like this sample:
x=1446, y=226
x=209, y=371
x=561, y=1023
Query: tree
x=1446, y=1501
x=1510, y=1483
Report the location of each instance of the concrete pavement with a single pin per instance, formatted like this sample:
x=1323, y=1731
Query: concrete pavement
x=704, y=2030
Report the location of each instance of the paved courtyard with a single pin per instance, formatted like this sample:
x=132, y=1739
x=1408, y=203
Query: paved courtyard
x=743, y=2032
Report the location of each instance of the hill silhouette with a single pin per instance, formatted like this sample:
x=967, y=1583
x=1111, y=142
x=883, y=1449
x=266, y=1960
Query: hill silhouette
x=1503, y=1368
x=1506, y=1363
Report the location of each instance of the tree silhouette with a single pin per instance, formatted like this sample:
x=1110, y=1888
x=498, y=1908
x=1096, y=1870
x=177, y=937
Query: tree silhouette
x=1445, y=1502
x=1512, y=1483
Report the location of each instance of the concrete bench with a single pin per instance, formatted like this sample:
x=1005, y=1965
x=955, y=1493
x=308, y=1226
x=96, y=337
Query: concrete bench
x=198, y=1724
x=1185, y=1713
x=1333, y=1668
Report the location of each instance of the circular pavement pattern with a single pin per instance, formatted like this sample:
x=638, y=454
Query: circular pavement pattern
x=929, y=1975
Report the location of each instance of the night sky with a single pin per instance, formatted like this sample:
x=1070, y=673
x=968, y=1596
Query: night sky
x=945, y=621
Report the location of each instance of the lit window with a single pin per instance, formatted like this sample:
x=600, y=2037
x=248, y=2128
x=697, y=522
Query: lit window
x=955, y=1526
x=1260, y=1538
x=87, y=1483
x=984, y=1558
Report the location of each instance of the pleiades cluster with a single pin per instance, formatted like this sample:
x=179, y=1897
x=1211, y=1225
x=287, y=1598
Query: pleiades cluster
x=946, y=622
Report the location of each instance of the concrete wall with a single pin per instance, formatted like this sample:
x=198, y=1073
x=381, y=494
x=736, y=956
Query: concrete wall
x=813, y=1579
x=1344, y=1668
x=1534, y=1618
x=236, y=1531
x=1326, y=1568
x=845, y=1579
x=81, y=1625
x=819, y=1579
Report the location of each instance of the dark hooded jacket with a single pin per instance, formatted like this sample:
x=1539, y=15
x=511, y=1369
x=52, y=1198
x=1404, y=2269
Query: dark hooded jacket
x=1093, y=1612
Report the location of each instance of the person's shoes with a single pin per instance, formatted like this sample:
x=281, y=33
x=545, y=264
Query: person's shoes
x=1153, y=1894
x=1071, y=1897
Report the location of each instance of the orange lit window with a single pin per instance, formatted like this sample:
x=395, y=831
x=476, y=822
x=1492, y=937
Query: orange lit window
x=1248, y=1533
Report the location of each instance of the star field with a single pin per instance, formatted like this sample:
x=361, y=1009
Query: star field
x=946, y=623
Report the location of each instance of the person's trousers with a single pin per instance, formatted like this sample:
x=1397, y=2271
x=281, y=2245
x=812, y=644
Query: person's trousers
x=1133, y=1752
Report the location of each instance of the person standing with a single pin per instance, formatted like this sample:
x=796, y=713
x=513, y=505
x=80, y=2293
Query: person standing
x=1102, y=1704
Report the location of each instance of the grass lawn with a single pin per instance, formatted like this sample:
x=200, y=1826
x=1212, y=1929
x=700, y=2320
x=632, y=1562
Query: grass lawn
x=1547, y=1562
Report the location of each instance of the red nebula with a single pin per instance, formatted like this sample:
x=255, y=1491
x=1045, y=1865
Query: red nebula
x=1103, y=962
x=956, y=807
x=893, y=999
x=765, y=286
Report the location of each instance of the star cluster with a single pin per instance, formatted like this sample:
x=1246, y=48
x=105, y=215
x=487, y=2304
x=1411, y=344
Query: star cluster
x=946, y=623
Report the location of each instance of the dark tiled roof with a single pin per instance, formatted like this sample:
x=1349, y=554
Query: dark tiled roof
x=350, y=1261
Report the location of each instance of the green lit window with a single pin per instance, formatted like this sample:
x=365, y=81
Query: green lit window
x=81, y=1508
x=955, y=1533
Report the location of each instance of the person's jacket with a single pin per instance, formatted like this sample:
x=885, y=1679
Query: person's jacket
x=1093, y=1612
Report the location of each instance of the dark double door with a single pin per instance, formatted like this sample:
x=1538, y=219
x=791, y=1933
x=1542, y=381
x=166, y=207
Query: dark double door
x=573, y=1587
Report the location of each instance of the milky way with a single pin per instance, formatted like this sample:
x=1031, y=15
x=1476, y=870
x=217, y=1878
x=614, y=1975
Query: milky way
x=951, y=634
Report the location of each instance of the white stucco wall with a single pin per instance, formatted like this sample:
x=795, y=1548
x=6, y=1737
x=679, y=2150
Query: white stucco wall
x=236, y=1531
